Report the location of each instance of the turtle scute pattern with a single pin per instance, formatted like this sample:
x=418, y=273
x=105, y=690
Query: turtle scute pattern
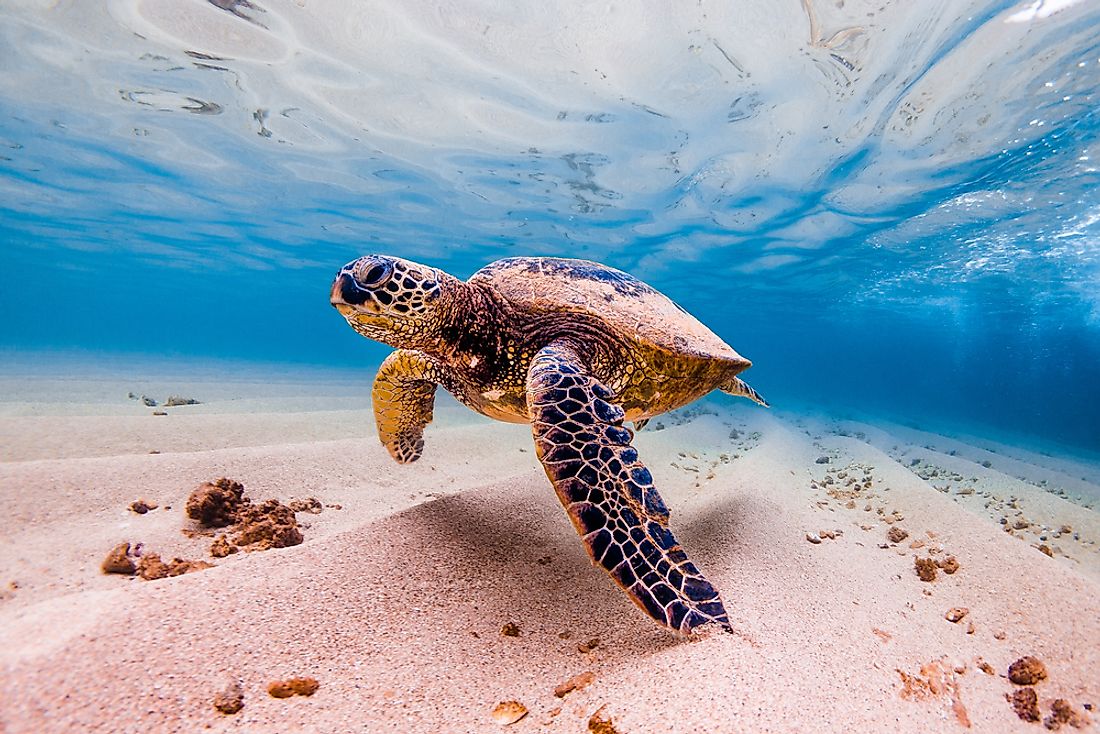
x=609, y=494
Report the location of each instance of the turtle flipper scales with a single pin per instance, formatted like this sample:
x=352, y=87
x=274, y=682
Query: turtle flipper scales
x=740, y=388
x=403, y=398
x=609, y=495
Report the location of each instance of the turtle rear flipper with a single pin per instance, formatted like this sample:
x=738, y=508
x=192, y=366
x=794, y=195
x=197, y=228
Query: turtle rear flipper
x=737, y=386
x=609, y=495
x=403, y=398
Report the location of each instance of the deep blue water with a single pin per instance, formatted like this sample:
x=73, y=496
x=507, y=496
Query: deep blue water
x=889, y=207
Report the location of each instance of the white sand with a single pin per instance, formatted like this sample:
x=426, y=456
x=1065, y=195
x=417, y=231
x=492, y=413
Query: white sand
x=394, y=602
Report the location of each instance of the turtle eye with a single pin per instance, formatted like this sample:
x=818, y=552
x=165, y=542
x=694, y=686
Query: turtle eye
x=376, y=276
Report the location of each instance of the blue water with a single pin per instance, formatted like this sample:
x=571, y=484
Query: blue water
x=890, y=207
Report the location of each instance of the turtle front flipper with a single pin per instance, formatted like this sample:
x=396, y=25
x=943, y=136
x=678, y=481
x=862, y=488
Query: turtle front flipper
x=609, y=495
x=403, y=397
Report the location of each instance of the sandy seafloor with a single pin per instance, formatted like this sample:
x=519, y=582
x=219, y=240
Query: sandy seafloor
x=395, y=601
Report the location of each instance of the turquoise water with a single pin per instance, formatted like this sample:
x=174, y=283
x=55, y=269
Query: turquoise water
x=889, y=207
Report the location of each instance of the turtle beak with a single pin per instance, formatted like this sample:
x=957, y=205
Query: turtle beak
x=346, y=294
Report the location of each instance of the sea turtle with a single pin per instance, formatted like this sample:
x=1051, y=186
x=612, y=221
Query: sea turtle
x=573, y=348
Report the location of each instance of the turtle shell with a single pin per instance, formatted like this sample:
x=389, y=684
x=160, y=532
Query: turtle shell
x=629, y=307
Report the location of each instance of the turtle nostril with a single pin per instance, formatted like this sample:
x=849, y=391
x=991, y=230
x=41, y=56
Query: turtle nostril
x=346, y=291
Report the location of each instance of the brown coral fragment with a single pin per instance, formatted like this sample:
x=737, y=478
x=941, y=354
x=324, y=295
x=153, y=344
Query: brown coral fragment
x=896, y=534
x=230, y=700
x=304, y=686
x=150, y=567
x=936, y=679
x=597, y=724
x=508, y=712
x=1027, y=671
x=575, y=683
x=1025, y=703
x=118, y=561
x=949, y=565
x=221, y=547
x=293, y=687
x=312, y=505
x=958, y=709
x=141, y=506
x=268, y=525
x=215, y=504
x=589, y=646
x=926, y=569
x=1061, y=712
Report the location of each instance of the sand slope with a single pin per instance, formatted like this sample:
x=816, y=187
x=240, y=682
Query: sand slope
x=395, y=602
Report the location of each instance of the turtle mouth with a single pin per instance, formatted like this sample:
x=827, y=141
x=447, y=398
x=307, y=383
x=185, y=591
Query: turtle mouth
x=346, y=292
x=357, y=316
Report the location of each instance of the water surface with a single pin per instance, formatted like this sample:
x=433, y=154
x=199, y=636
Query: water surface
x=890, y=207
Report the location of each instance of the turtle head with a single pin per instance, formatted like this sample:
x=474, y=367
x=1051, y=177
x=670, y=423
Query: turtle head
x=391, y=300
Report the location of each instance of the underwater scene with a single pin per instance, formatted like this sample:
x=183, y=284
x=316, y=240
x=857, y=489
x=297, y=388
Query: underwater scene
x=607, y=367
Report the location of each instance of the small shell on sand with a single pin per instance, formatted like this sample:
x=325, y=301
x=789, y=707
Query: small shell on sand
x=509, y=712
x=955, y=614
x=813, y=538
